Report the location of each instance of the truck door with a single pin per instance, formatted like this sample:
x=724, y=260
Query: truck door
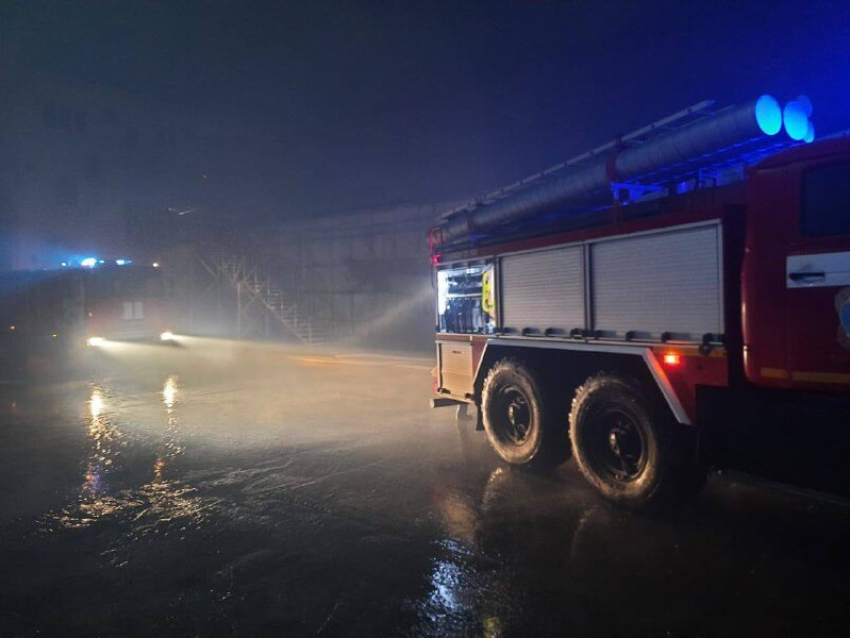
x=817, y=280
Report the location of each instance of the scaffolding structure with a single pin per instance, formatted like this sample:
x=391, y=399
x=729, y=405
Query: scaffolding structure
x=261, y=305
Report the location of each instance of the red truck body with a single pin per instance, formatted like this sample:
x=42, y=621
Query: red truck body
x=785, y=337
x=773, y=297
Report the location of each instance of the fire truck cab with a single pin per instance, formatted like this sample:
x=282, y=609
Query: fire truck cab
x=621, y=305
x=797, y=269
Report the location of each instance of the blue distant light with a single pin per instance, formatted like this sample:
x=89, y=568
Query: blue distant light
x=64, y=264
x=123, y=262
x=768, y=115
x=88, y=262
x=796, y=121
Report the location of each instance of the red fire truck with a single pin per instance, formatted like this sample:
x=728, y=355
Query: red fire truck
x=621, y=305
x=47, y=315
x=93, y=302
x=125, y=301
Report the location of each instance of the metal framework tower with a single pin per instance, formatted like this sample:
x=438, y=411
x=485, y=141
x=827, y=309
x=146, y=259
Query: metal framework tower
x=260, y=302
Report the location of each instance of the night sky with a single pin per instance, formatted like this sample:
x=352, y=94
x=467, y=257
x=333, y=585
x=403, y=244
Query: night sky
x=374, y=104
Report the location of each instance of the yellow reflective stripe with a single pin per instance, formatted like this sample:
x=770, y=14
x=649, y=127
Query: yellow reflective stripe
x=821, y=377
x=774, y=373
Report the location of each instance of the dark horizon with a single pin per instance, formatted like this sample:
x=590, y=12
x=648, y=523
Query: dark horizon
x=366, y=107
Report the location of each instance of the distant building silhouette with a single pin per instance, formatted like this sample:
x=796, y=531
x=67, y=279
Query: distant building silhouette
x=89, y=170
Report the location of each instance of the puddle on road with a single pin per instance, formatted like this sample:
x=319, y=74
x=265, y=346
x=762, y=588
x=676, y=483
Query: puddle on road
x=158, y=502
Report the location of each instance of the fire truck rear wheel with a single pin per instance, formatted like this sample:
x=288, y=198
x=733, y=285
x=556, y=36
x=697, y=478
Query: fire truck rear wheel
x=628, y=447
x=523, y=422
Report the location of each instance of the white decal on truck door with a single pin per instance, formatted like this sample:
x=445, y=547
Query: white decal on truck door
x=817, y=270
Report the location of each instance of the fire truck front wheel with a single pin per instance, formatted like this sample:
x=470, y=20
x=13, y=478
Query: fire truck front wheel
x=628, y=447
x=522, y=421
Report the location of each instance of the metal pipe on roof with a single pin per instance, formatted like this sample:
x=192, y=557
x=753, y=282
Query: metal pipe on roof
x=730, y=127
x=690, y=145
x=575, y=185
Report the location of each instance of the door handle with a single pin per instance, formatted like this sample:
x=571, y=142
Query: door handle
x=805, y=276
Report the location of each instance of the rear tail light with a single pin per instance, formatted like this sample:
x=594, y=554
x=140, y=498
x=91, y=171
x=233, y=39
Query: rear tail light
x=672, y=359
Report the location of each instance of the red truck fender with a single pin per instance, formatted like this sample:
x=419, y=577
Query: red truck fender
x=675, y=381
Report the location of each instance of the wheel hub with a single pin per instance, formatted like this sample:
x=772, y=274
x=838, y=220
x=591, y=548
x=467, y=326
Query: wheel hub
x=514, y=413
x=620, y=452
x=614, y=441
x=517, y=416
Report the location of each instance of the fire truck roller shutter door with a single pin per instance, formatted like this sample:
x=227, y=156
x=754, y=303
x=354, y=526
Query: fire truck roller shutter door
x=544, y=290
x=659, y=283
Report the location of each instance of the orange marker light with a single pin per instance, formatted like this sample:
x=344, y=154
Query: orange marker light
x=672, y=359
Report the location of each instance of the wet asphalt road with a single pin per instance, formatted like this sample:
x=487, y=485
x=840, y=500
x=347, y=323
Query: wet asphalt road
x=246, y=490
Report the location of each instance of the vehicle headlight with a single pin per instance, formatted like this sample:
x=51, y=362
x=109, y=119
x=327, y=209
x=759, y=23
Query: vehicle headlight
x=166, y=336
x=95, y=341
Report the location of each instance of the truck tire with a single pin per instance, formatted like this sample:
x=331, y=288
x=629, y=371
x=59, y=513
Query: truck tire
x=523, y=423
x=629, y=448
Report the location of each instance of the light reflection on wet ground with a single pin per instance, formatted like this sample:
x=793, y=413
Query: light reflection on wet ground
x=272, y=492
x=148, y=505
